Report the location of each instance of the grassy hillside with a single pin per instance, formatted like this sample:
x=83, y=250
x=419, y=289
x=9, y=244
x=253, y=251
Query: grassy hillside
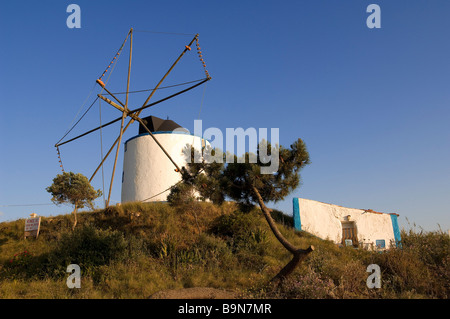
x=136, y=250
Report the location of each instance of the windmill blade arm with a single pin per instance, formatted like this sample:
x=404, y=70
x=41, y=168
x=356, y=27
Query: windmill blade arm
x=134, y=111
x=170, y=96
x=90, y=131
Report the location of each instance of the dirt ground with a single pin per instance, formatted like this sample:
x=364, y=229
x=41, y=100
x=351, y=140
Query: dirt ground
x=195, y=293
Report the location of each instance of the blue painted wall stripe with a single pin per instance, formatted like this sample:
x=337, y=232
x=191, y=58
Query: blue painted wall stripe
x=397, y=236
x=296, y=214
x=159, y=132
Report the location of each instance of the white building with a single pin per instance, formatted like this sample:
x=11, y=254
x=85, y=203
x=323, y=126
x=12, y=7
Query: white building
x=346, y=226
x=148, y=173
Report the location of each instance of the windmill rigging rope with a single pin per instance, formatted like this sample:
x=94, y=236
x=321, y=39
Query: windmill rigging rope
x=133, y=111
x=201, y=103
x=70, y=130
x=113, y=63
x=169, y=188
x=101, y=149
x=159, y=32
x=163, y=87
x=79, y=110
x=144, y=200
x=26, y=205
x=109, y=75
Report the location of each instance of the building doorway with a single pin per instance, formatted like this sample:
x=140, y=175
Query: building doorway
x=349, y=234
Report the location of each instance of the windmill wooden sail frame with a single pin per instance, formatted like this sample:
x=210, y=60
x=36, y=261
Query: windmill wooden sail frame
x=134, y=114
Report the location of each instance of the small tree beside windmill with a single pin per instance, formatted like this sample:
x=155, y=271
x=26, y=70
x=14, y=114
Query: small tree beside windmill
x=244, y=182
x=73, y=189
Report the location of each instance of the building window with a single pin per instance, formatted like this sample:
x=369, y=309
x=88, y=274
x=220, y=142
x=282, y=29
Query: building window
x=348, y=242
x=380, y=243
x=349, y=235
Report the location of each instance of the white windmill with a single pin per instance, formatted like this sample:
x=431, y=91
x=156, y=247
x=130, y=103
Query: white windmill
x=152, y=159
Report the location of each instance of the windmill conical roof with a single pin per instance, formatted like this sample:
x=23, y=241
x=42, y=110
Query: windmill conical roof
x=156, y=124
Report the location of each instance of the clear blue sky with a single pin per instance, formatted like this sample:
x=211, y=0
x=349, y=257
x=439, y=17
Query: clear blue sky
x=372, y=105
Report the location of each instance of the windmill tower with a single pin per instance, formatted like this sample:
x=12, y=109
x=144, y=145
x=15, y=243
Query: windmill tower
x=147, y=173
x=152, y=159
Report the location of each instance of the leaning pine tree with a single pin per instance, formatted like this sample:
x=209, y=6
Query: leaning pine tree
x=244, y=182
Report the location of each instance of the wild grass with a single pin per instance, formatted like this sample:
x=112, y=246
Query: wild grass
x=137, y=249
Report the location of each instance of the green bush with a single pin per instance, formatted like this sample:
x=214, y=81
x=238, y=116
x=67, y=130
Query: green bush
x=215, y=251
x=18, y=266
x=432, y=248
x=90, y=247
x=241, y=231
x=419, y=268
x=246, y=236
x=87, y=246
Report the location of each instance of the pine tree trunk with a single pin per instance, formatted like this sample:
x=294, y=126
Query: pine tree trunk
x=75, y=217
x=298, y=254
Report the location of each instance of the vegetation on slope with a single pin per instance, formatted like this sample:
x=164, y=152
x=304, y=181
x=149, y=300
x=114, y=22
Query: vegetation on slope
x=138, y=249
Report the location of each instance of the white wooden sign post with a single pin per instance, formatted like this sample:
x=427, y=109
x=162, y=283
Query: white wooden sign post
x=32, y=226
